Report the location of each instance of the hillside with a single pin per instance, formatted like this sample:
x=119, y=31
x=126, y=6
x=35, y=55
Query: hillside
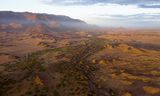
x=34, y=22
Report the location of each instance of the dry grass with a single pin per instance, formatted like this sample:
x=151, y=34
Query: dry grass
x=151, y=90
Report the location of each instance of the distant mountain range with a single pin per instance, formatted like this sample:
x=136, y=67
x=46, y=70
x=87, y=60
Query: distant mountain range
x=35, y=22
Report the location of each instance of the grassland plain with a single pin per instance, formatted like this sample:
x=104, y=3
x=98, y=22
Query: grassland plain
x=97, y=67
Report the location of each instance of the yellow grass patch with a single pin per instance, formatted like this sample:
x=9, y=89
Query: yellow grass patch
x=113, y=76
x=93, y=61
x=127, y=94
x=129, y=76
x=127, y=82
x=102, y=62
x=38, y=81
x=151, y=90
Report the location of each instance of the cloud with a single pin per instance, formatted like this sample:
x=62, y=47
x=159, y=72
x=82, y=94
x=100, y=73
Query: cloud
x=136, y=17
x=137, y=20
x=149, y=6
x=91, y=2
x=111, y=12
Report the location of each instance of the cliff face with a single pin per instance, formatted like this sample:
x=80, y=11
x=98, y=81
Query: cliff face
x=32, y=22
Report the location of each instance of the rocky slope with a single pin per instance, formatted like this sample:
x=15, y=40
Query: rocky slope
x=33, y=22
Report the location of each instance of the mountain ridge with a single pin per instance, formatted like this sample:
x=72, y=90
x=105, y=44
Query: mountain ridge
x=22, y=21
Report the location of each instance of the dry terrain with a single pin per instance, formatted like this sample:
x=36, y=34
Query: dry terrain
x=80, y=63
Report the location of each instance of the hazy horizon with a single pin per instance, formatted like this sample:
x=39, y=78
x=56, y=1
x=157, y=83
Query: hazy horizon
x=108, y=13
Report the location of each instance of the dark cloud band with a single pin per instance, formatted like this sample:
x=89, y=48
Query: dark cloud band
x=149, y=6
x=135, y=16
x=90, y=2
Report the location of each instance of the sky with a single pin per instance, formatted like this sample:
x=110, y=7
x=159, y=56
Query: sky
x=106, y=13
